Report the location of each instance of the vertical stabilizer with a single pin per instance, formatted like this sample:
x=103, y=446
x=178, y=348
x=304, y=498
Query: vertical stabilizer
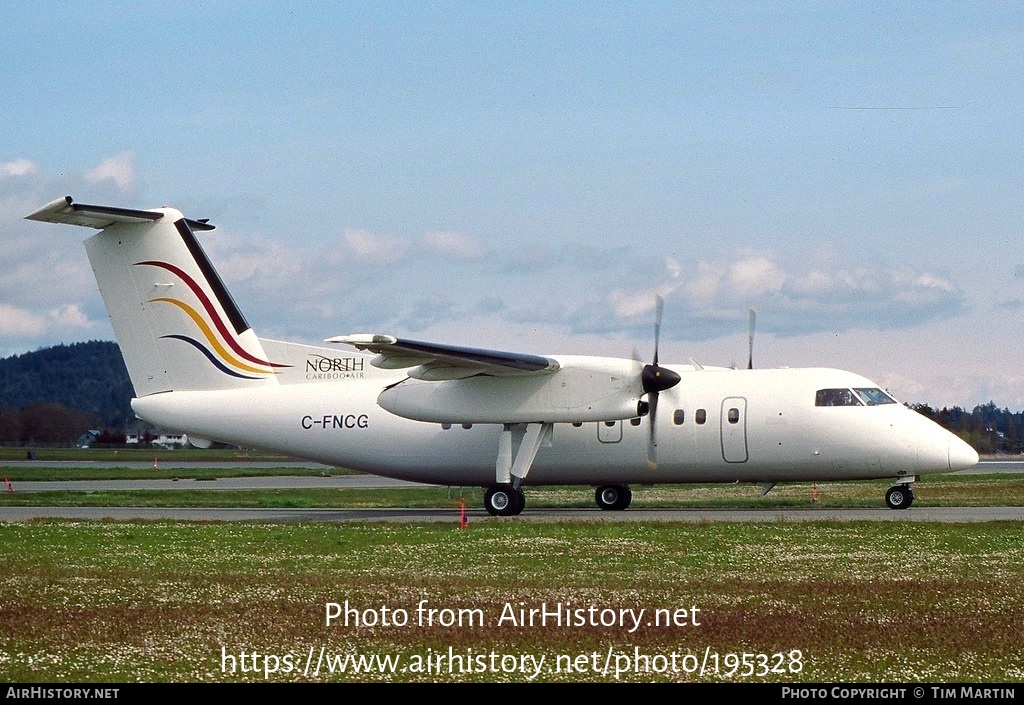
x=176, y=323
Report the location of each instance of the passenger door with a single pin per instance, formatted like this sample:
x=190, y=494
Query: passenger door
x=734, y=429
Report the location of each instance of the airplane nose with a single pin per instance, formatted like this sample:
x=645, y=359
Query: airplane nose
x=961, y=455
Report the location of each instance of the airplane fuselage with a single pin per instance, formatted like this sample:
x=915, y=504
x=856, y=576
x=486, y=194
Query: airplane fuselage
x=716, y=425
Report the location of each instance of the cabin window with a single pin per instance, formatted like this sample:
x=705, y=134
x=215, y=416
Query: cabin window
x=678, y=417
x=609, y=424
x=467, y=425
x=734, y=415
x=446, y=425
x=635, y=421
x=701, y=416
x=577, y=424
x=836, y=397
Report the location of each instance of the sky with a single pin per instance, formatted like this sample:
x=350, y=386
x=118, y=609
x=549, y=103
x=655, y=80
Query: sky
x=531, y=176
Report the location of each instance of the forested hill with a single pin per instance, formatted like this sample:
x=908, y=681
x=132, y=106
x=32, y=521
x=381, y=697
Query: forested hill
x=89, y=377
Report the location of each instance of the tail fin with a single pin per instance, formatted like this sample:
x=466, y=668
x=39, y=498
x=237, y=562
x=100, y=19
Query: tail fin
x=176, y=324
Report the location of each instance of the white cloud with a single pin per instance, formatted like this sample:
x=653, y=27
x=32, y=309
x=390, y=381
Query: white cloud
x=811, y=283
x=69, y=316
x=120, y=169
x=673, y=266
x=19, y=323
x=375, y=248
x=704, y=287
x=254, y=259
x=59, y=323
x=755, y=276
x=932, y=281
x=18, y=167
x=630, y=304
x=455, y=245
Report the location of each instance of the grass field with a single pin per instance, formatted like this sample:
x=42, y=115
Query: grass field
x=854, y=602
x=857, y=602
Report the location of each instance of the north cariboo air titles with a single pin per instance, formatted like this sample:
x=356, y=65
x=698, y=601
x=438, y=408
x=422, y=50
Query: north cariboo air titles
x=320, y=367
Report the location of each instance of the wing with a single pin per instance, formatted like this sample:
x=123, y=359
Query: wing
x=436, y=362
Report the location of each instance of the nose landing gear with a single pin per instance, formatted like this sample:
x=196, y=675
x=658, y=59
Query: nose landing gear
x=899, y=496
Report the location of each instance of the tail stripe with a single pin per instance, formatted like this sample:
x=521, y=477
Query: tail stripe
x=218, y=322
x=210, y=337
x=209, y=355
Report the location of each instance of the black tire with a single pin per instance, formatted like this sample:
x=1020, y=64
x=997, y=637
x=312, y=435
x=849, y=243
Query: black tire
x=899, y=497
x=613, y=497
x=504, y=501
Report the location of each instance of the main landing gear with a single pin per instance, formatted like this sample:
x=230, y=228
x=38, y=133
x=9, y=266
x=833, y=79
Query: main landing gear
x=613, y=497
x=899, y=496
x=504, y=500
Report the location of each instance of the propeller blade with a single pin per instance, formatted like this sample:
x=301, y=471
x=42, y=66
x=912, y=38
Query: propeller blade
x=656, y=379
x=652, y=440
x=658, y=309
x=653, y=377
x=753, y=318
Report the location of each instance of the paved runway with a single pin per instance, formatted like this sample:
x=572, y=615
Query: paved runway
x=17, y=514
x=222, y=483
x=958, y=515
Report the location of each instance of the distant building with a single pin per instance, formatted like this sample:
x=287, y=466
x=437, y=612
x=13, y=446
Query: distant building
x=88, y=438
x=156, y=437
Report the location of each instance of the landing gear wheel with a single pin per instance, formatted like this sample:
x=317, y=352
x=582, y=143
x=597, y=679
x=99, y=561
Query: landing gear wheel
x=899, y=497
x=504, y=501
x=613, y=497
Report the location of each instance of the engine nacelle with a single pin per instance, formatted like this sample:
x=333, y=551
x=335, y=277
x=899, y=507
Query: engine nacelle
x=582, y=389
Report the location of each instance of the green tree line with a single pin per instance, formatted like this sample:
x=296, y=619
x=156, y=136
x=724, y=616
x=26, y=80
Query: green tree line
x=986, y=427
x=54, y=395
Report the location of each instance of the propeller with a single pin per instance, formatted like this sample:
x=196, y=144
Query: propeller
x=655, y=379
x=753, y=319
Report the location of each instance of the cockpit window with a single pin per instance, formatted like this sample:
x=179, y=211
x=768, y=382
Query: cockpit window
x=836, y=397
x=873, y=396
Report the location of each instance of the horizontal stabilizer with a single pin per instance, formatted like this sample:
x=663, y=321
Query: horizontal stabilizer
x=65, y=210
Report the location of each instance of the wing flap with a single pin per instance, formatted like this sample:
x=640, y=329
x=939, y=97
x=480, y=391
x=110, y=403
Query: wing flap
x=437, y=361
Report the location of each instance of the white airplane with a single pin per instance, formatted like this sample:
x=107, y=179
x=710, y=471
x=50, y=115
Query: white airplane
x=467, y=417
